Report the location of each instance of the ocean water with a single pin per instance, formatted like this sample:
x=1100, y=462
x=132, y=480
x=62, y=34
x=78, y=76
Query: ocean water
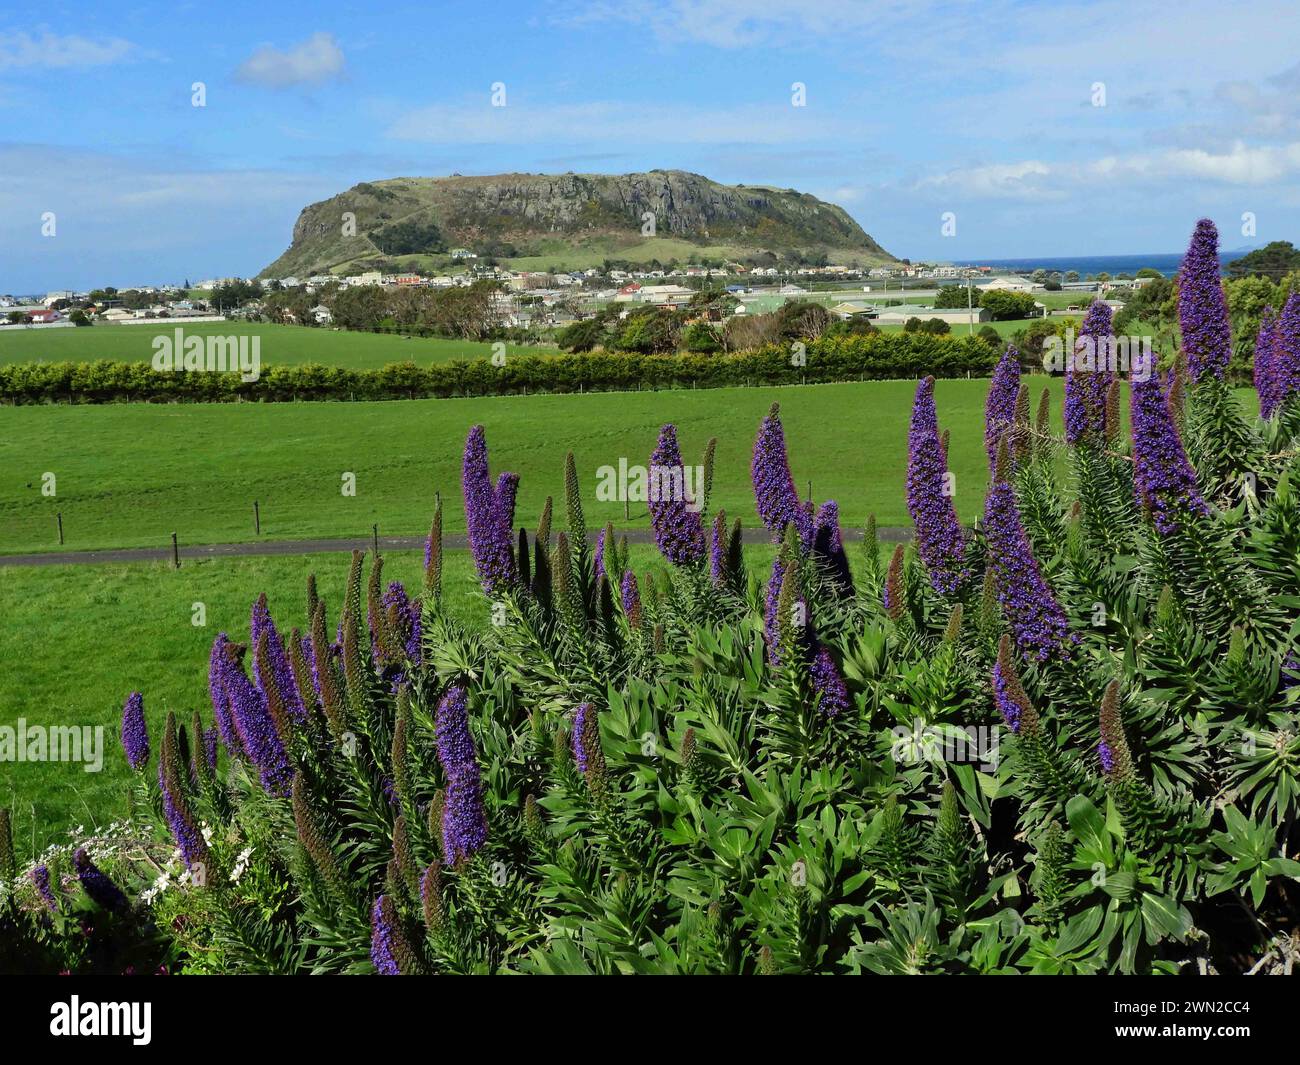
x=1166, y=262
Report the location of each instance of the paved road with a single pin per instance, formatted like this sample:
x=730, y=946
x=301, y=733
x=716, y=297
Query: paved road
x=306, y=547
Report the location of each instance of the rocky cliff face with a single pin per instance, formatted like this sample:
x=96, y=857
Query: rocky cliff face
x=524, y=213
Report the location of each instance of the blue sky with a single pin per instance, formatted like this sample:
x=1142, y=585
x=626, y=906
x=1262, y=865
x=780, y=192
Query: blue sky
x=913, y=109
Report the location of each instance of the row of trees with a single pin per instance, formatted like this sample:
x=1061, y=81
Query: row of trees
x=874, y=356
x=1001, y=305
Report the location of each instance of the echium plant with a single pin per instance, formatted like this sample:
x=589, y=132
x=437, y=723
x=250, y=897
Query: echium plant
x=940, y=538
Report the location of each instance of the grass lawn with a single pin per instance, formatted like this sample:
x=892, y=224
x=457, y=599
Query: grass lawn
x=280, y=344
x=130, y=475
x=81, y=638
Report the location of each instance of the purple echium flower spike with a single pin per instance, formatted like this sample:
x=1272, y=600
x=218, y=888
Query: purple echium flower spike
x=276, y=669
x=210, y=747
x=940, y=540
x=220, y=697
x=1037, y=621
x=464, y=824
x=580, y=724
x=1087, y=378
x=678, y=529
x=382, y=933
x=771, y=623
x=41, y=881
x=1265, y=370
x=1000, y=407
x=598, y=563
x=490, y=540
x=1163, y=478
x=1006, y=705
x=630, y=593
x=1202, y=310
x=828, y=545
x=1285, y=360
x=258, y=738
x=97, y=886
x=135, y=735
x=775, y=495
x=828, y=684
x=507, y=490
x=184, y=831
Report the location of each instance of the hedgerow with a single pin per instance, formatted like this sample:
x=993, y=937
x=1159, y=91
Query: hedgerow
x=841, y=358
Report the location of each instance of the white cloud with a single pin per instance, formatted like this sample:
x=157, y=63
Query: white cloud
x=1017, y=181
x=51, y=51
x=316, y=60
x=1238, y=165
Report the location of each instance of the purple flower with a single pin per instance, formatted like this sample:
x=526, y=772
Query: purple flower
x=135, y=735
x=210, y=747
x=1106, y=756
x=1163, y=478
x=775, y=495
x=598, y=563
x=828, y=545
x=253, y=724
x=940, y=540
x=1202, y=311
x=383, y=937
x=1088, y=376
x=220, y=697
x=403, y=614
x=1285, y=353
x=679, y=531
x=1036, y=618
x=276, y=669
x=1000, y=407
x=488, y=528
x=630, y=594
x=1006, y=705
x=98, y=887
x=828, y=684
x=180, y=822
x=580, y=725
x=506, y=491
x=41, y=880
x=771, y=623
x=1266, y=371
x=464, y=823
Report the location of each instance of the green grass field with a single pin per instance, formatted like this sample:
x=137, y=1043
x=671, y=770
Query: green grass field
x=130, y=475
x=281, y=345
x=81, y=638
x=87, y=636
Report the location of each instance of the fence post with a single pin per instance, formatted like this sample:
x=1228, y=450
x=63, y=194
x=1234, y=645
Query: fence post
x=60, y=516
x=176, y=553
x=257, y=519
x=374, y=538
